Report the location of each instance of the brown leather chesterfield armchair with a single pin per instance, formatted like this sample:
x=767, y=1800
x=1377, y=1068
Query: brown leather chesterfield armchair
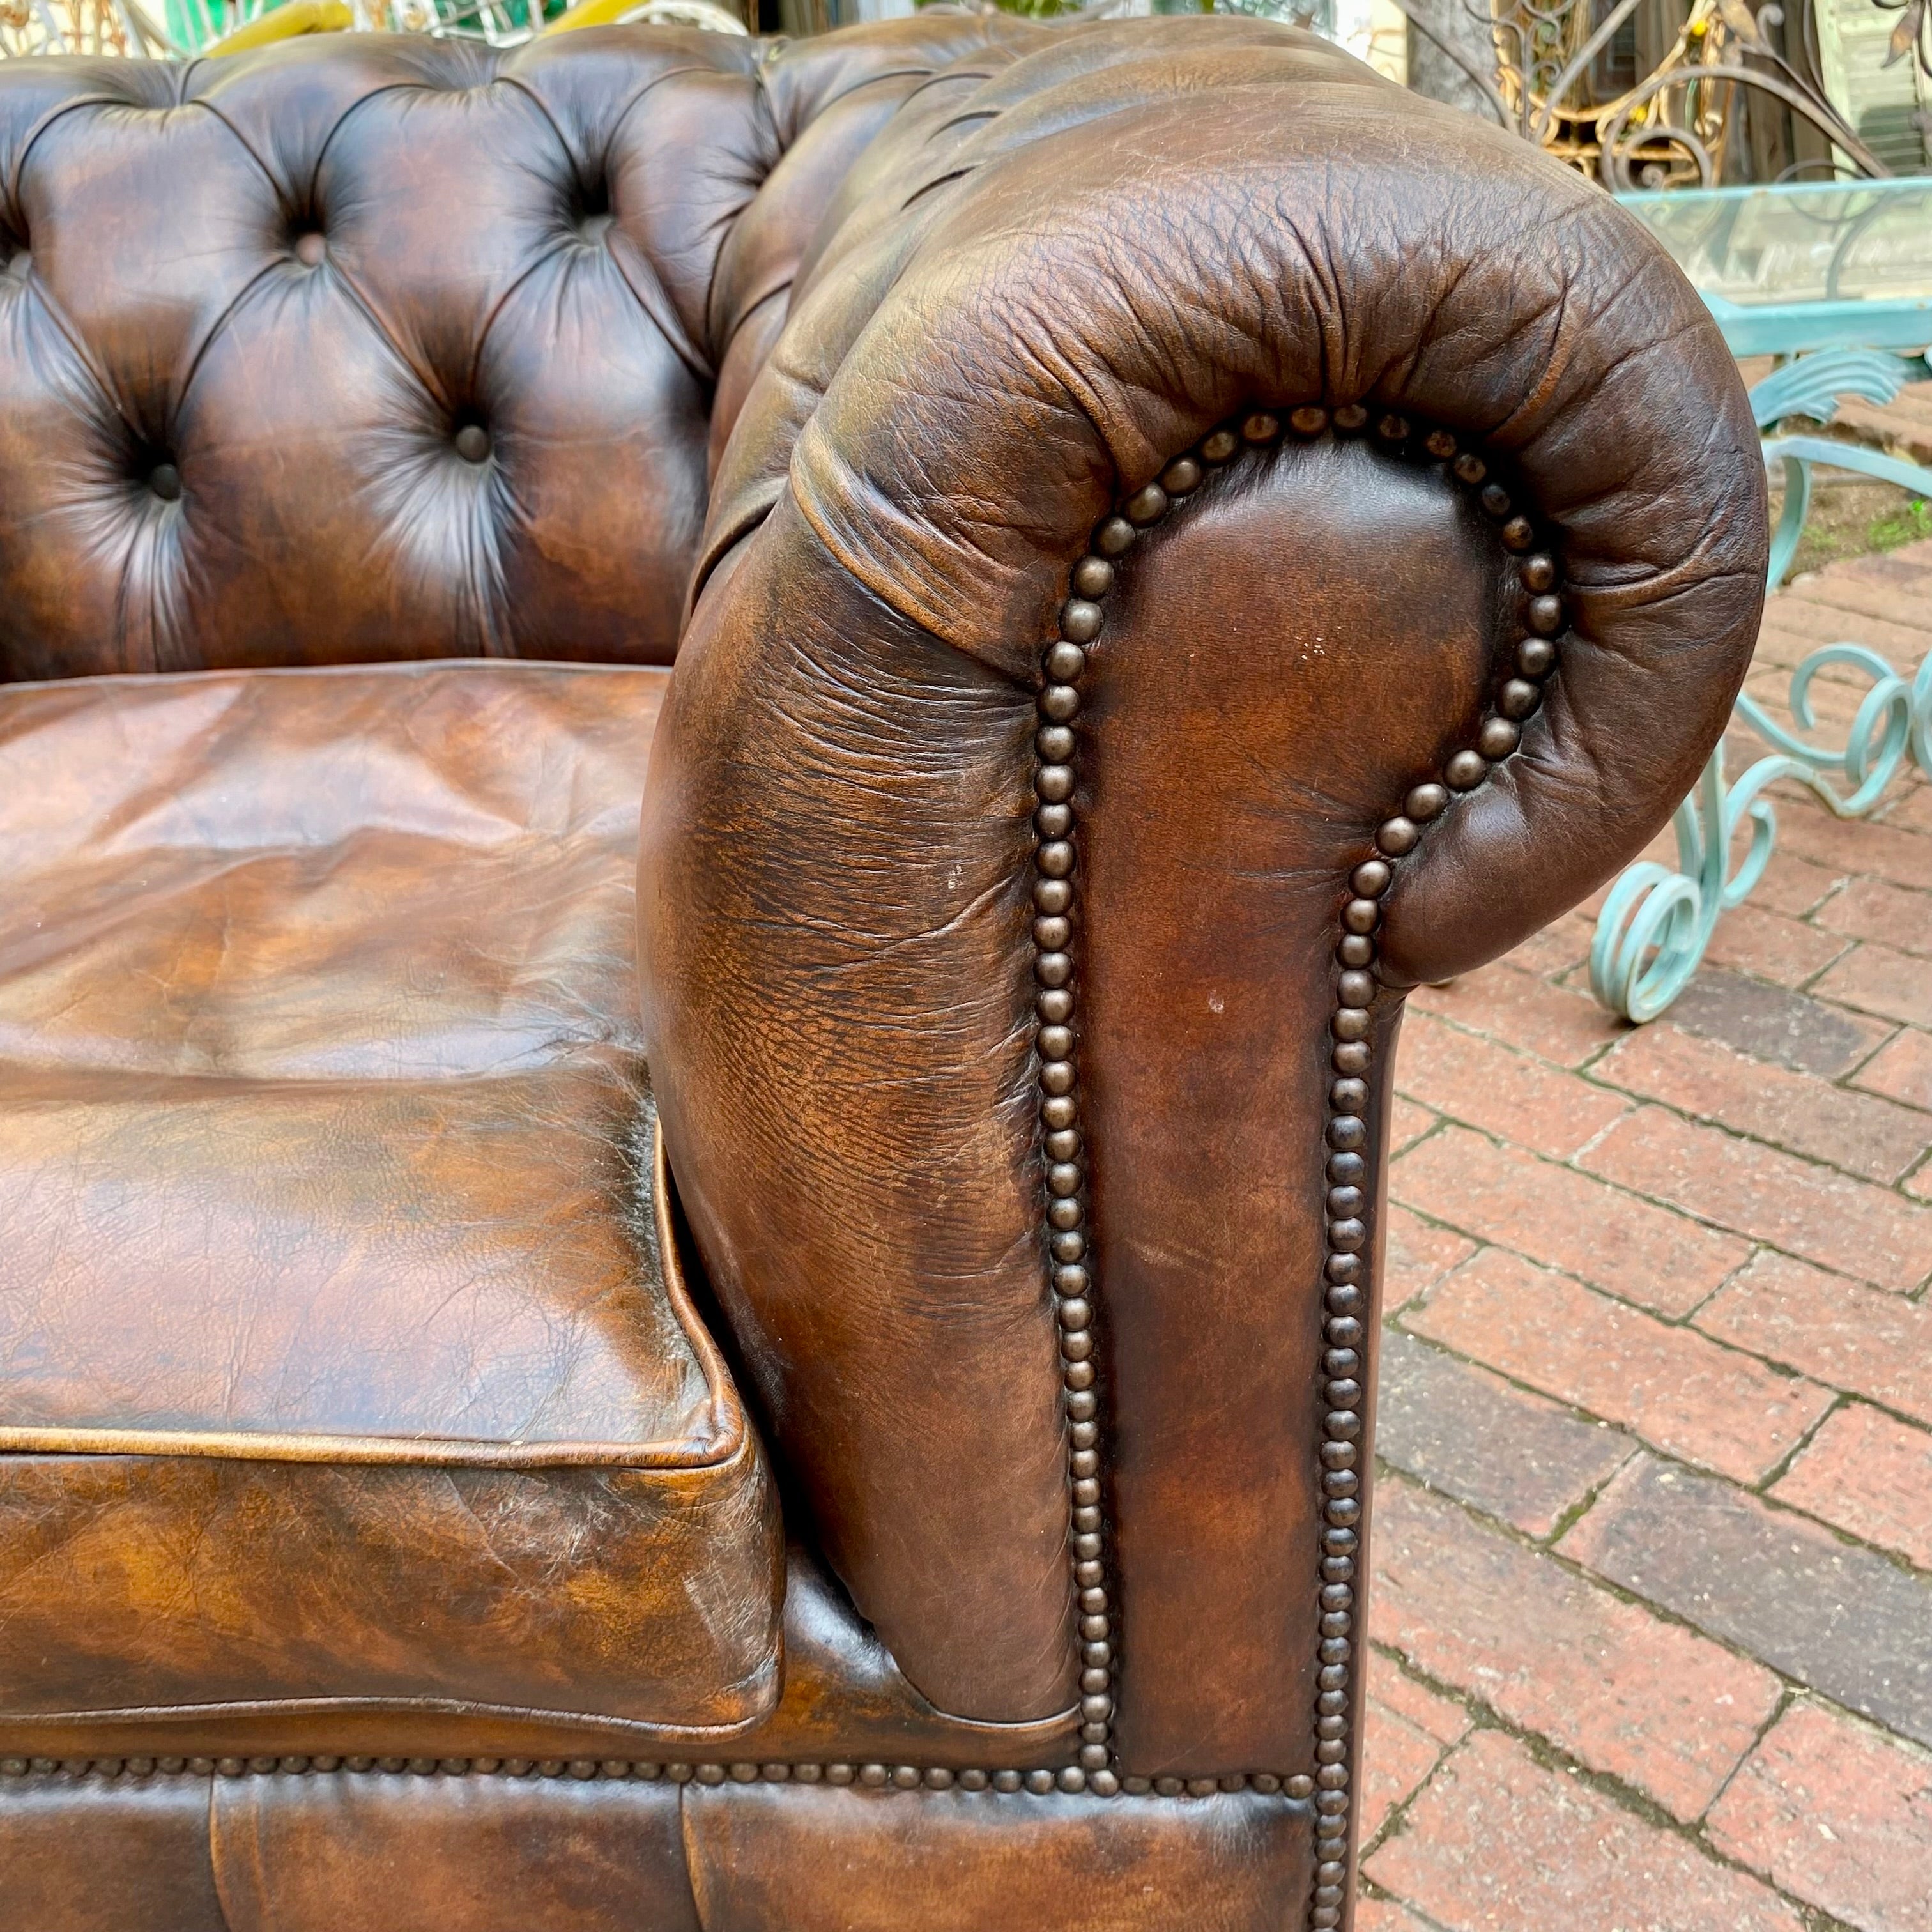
x=829, y=1393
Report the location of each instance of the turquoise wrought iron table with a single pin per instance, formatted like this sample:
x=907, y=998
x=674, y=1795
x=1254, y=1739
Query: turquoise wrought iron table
x=1834, y=281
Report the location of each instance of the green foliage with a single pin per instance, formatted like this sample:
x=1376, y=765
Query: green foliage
x=1906, y=527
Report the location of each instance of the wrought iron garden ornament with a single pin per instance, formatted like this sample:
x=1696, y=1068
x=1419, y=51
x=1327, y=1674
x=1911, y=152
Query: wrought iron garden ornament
x=1655, y=926
x=1670, y=128
x=1912, y=35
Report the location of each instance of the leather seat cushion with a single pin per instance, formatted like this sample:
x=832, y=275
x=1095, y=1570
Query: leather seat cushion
x=344, y=1355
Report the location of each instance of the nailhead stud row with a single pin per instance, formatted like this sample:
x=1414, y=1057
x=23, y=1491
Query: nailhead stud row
x=867, y=1776
x=1063, y=664
x=1063, y=668
x=1081, y=617
x=1350, y=1056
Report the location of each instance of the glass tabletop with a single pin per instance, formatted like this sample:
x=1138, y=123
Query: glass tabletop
x=1805, y=265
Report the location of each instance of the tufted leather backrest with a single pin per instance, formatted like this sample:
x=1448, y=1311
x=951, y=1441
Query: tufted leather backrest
x=364, y=347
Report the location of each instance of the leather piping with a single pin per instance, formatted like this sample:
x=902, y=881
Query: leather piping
x=730, y=1439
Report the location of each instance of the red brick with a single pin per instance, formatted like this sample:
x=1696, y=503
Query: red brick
x=1469, y=1434
x=1911, y=809
x=1498, y=1844
x=1474, y=1079
x=1902, y=1068
x=1417, y=1256
x=1856, y=1339
x=1780, y=646
x=1409, y=1699
x=1555, y=1214
x=1920, y=1183
x=1384, y=1914
x=1826, y=1217
x=1838, y=1815
x=1397, y=1757
x=1870, y=1475
x=1875, y=979
x=1787, y=952
x=1868, y=1135
x=1865, y=594
x=1524, y=1011
x=1670, y=1385
x=1812, y=610
x=1621, y=1691
x=1770, y=1023
x=1408, y=1122
x=1871, y=909
x=1856, y=845
x=1795, y=885
x=1563, y=944
x=1845, y=1620
x=1834, y=704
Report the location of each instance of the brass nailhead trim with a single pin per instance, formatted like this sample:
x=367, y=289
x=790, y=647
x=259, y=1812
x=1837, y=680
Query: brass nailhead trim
x=885, y=1778
x=1498, y=735
x=1063, y=663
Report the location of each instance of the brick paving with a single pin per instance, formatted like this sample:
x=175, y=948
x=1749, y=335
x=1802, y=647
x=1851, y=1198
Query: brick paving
x=1651, y=1646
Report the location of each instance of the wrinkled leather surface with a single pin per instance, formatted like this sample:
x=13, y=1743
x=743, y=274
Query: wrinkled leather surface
x=844, y=1701
x=341, y=1364
x=86, y=1854
x=1033, y=291
x=768, y=1859
x=377, y=1853
x=527, y=242
x=368, y=1853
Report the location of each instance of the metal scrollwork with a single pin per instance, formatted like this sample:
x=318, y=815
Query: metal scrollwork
x=1657, y=923
x=115, y=27
x=1655, y=926
x=1669, y=129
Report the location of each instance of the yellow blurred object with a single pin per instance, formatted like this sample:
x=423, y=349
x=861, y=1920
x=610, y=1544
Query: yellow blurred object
x=590, y=13
x=284, y=23
x=661, y=13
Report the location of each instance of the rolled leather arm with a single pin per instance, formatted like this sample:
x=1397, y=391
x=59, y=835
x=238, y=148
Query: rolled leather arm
x=1219, y=542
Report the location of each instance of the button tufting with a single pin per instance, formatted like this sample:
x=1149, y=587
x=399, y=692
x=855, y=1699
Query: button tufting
x=311, y=249
x=164, y=479
x=472, y=443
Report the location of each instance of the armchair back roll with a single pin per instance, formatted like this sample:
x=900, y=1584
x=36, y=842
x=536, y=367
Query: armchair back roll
x=1168, y=543
x=374, y=346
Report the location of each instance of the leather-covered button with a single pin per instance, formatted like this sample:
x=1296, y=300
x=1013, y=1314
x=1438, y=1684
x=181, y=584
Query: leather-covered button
x=164, y=479
x=311, y=249
x=472, y=443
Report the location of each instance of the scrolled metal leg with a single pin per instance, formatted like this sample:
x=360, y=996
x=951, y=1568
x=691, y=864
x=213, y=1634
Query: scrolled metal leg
x=1655, y=927
x=1652, y=933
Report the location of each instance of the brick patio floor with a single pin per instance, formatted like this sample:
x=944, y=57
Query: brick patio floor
x=1652, y=1630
